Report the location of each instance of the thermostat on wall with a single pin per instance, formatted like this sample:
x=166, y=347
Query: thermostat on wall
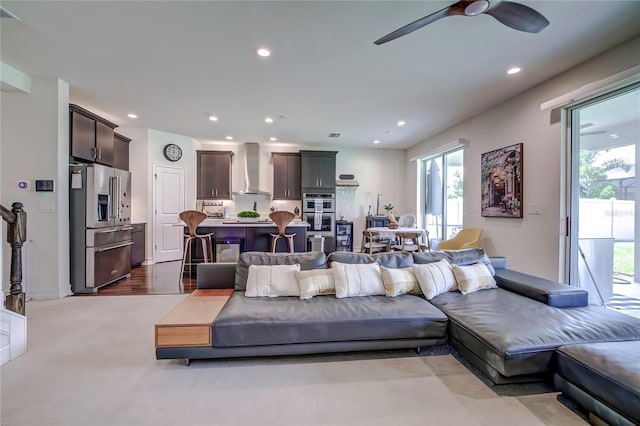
x=44, y=185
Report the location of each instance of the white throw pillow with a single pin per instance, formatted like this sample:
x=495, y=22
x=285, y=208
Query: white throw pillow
x=272, y=281
x=357, y=279
x=315, y=282
x=473, y=277
x=399, y=281
x=435, y=278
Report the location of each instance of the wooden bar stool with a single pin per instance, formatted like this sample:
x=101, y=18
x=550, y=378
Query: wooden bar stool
x=193, y=218
x=282, y=219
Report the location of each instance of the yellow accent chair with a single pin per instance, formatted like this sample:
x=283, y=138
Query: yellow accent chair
x=466, y=238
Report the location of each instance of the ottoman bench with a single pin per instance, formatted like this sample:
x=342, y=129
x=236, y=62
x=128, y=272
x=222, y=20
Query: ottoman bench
x=603, y=378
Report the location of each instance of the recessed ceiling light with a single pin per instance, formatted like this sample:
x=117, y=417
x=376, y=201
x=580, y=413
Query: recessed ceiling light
x=514, y=70
x=377, y=141
x=213, y=117
x=614, y=135
x=263, y=51
x=401, y=123
x=268, y=120
x=229, y=138
x=132, y=115
x=272, y=139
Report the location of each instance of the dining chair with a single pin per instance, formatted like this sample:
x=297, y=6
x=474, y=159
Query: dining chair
x=409, y=241
x=407, y=221
x=282, y=218
x=426, y=245
x=372, y=243
x=193, y=218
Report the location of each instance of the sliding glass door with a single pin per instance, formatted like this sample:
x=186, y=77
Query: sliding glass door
x=604, y=224
x=442, y=186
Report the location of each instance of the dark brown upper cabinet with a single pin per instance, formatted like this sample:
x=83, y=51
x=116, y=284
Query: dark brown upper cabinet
x=318, y=170
x=286, y=176
x=214, y=175
x=121, y=151
x=91, y=136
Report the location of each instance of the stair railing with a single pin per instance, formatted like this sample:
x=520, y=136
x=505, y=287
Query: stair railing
x=16, y=219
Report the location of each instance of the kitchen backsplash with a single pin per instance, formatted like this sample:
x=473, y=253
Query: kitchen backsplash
x=245, y=202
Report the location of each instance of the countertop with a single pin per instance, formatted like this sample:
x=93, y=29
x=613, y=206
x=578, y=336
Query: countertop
x=219, y=223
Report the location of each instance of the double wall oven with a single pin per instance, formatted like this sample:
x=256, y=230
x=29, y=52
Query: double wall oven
x=318, y=209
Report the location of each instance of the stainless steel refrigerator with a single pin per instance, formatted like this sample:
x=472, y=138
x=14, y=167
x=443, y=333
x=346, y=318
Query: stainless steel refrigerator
x=100, y=225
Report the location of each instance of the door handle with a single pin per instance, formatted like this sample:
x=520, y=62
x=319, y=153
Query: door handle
x=100, y=250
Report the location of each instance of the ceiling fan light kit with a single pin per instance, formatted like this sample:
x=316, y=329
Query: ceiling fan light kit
x=513, y=15
x=476, y=8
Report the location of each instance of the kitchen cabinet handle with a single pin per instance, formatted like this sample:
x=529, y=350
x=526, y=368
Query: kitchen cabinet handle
x=99, y=153
x=212, y=194
x=320, y=182
x=94, y=152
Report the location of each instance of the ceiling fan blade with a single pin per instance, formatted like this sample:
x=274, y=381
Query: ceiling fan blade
x=518, y=16
x=416, y=25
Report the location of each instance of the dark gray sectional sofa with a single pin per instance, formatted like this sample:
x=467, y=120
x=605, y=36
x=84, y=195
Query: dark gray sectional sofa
x=511, y=333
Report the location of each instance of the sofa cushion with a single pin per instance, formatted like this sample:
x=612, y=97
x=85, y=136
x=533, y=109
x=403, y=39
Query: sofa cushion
x=516, y=335
x=435, y=278
x=399, y=281
x=455, y=257
x=542, y=290
x=272, y=281
x=307, y=261
x=284, y=320
x=472, y=278
x=422, y=257
x=349, y=257
x=609, y=371
x=394, y=259
x=389, y=259
x=315, y=282
x=354, y=279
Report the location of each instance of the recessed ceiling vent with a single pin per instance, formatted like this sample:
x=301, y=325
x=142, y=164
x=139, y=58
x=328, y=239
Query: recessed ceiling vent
x=4, y=13
x=334, y=135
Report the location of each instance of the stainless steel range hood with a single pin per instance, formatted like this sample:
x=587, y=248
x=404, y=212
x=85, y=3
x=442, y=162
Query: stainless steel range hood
x=252, y=170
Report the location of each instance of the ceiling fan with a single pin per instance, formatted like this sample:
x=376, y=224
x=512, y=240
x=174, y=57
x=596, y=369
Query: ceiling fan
x=513, y=15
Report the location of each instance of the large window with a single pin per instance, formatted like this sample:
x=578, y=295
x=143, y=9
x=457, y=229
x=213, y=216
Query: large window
x=441, y=194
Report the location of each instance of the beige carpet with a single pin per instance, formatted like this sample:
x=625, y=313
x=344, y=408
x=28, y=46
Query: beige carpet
x=91, y=361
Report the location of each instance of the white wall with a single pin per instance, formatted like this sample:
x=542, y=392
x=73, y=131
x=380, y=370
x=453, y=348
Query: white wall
x=531, y=243
x=145, y=151
x=35, y=145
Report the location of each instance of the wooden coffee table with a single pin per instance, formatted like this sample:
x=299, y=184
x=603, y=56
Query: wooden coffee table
x=189, y=323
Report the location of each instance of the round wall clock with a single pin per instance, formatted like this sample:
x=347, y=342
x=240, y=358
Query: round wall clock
x=172, y=152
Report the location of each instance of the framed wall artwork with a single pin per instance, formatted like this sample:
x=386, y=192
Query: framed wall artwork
x=502, y=182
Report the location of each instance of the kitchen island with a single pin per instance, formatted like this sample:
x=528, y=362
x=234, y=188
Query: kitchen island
x=231, y=237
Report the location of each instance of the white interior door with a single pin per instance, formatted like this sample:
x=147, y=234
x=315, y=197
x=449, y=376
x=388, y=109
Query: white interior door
x=169, y=201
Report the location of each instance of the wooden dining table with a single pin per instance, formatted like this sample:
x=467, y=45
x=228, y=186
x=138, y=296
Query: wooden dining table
x=390, y=233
